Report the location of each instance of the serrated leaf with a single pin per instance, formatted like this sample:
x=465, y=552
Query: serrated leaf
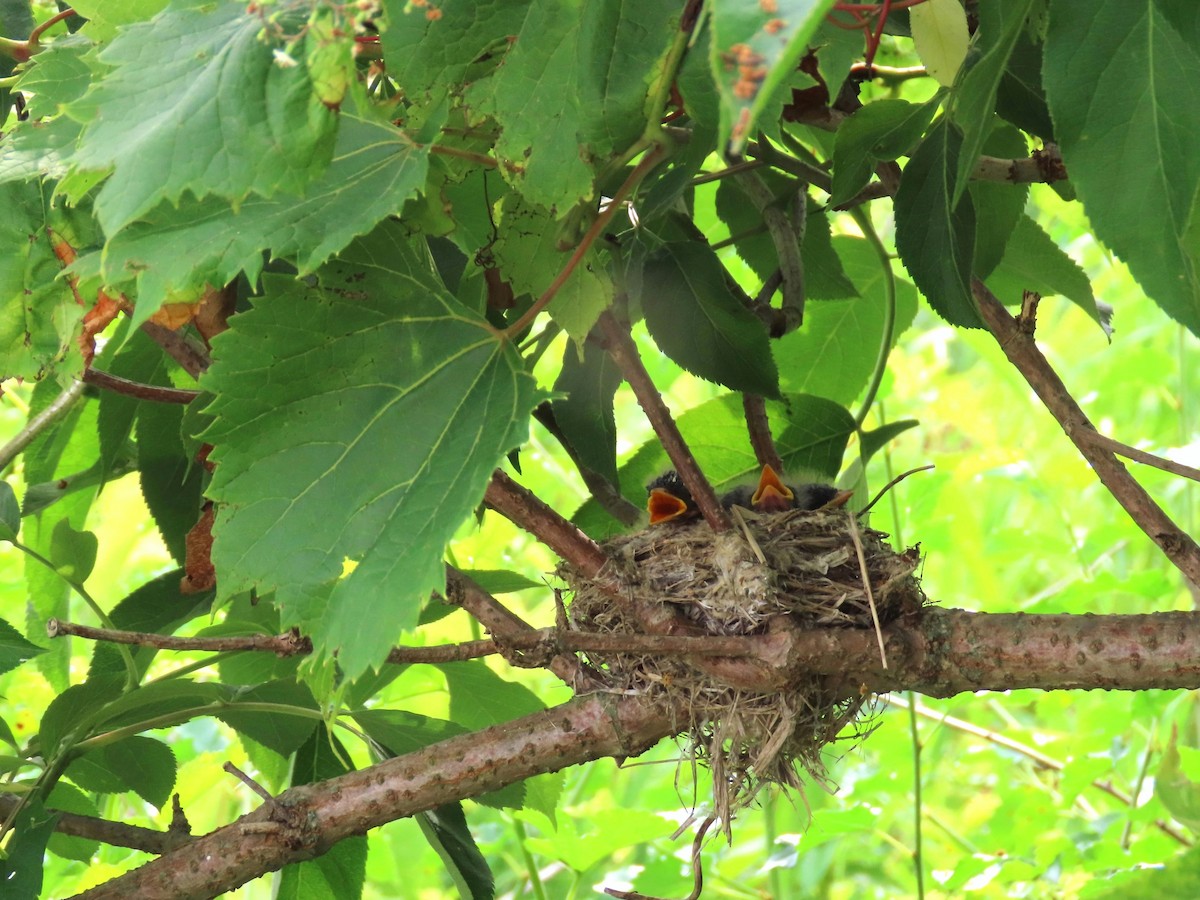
x=871, y=442
x=585, y=411
x=140, y=764
x=340, y=873
x=696, y=320
x=68, y=798
x=534, y=97
x=619, y=54
x=1020, y=98
x=883, y=130
x=756, y=47
x=14, y=649
x=24, y=863
x=479, y=697
x=174, y=76
x=1124, y=90
x=374, y=170
x=939, y=31
x=974, y=99
x=833, y=353
x=1033, y=262
x=171, y=481
x=377, y=363
x=178, y=698
x=10, y=513
x=934, y=237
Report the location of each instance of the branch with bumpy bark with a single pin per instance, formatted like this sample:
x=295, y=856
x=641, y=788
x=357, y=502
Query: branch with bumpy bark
x=938, y=652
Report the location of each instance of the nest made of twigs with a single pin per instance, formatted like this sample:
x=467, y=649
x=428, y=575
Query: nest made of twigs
x=806, y=567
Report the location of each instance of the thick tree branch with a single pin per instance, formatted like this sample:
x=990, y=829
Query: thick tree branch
x=118, y=834
x=938, y=652
x=1016, y=340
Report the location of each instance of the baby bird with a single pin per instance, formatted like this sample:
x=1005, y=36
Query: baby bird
x=772, y=495
x=669, y=499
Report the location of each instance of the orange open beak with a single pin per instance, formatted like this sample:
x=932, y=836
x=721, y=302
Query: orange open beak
x=839, y=499
x=664, y=506
x=772, y=495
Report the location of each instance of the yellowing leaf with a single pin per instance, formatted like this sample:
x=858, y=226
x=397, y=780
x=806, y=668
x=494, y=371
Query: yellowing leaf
x=939, y=29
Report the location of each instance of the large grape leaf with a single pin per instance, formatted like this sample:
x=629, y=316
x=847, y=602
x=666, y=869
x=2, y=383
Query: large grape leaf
x=1123, y=85
x=358, y=419
x=534, y=97
x=198, y=102
x=755, y=47
x=374, y=170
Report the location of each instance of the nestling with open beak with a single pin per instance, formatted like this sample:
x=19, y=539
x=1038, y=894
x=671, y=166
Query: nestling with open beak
x=772, y=495
x=670, y=500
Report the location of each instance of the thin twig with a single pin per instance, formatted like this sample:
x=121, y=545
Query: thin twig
x=152, y=392
x=891, y=484
x=193, y=359
x=58, y=408
x=287, y=644
x=249, y=782
x=620, y=346
x=1022, y=352
x=1104, y=442
x=116, y=834
x=759, y=428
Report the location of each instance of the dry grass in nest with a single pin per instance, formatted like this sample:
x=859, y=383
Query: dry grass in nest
x=797, y=565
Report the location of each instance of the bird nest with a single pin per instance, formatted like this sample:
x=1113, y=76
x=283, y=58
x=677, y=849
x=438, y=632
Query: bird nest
x=791, y=569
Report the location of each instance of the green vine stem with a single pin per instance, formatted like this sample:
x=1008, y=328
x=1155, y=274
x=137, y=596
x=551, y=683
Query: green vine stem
x=889, y=312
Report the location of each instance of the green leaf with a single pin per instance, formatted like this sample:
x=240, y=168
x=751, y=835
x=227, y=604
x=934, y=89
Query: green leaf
x=68, y=716
x=1033, y=262
x=377, y=364
x=755, y=48
x=338, y=874
x=175, y=76
x=534, y=98
x=374, y=170
x=935, y=237
x=400, y=732
x=139, y=359
x=10, y=513
x=14, y=649
x=73, y=552
x=528, y=255
x=974, y=98
x=871, y=442
x=68, y=798
x=998, y=205
x=883, y=130
x=428, y=56
x=939, y=31
x=501, y=581
x=1020, y=98
x=177, y=699
x=1179, y=794
x=283, y=731
x=40, y=496
x=833, y=353
x=446, y=830
x=140, y=764
x=588, y=382
x=39, y=317
x=620, y=52
x=24, y=863
x=171, y=481
x=479, y=697
x=1124, y=90
x=700, y=324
